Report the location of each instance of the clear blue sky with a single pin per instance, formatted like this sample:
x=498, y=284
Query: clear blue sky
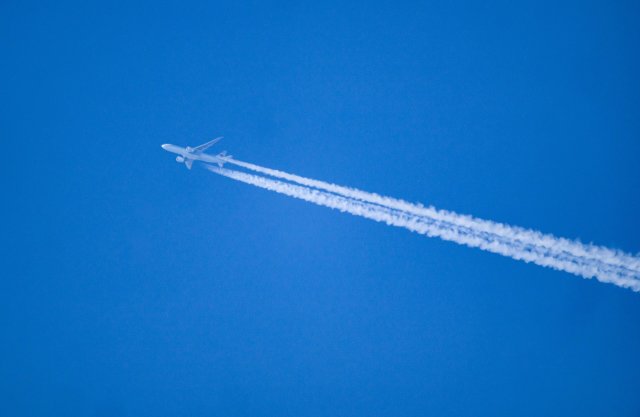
x=131, y=286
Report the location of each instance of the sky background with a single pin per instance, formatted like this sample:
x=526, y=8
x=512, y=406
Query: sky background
x=131, y=286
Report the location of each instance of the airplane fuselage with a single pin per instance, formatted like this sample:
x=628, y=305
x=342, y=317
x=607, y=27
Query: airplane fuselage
x=186, y=156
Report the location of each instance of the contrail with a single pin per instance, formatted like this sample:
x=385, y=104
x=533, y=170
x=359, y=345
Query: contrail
x=582, y=266
x=513, y=233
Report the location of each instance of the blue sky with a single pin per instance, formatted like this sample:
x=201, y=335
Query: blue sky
x=132, y=286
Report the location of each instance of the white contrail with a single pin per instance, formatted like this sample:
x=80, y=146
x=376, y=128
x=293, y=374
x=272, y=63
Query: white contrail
x=585, y=267
x=526, y=236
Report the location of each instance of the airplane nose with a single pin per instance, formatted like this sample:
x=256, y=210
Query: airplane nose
x=164, y=146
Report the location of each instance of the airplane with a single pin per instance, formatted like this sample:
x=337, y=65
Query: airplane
x=189, y=154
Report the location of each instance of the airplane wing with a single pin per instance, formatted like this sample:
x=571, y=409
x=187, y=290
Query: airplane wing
x=207, y=145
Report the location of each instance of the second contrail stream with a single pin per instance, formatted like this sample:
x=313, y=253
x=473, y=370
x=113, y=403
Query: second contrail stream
x=620, y=272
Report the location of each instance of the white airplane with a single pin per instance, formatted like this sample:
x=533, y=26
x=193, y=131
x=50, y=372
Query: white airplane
x=189, y=154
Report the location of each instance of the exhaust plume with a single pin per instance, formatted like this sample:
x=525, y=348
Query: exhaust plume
x=527, y=236
x=448, y=226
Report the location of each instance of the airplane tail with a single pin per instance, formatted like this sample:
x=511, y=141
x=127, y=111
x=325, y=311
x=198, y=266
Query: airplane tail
x=222, y=158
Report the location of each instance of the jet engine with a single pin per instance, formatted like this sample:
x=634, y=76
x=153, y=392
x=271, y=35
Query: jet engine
x=179, y=159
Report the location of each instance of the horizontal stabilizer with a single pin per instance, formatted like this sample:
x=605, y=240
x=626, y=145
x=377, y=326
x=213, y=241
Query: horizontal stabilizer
x=223, y=157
